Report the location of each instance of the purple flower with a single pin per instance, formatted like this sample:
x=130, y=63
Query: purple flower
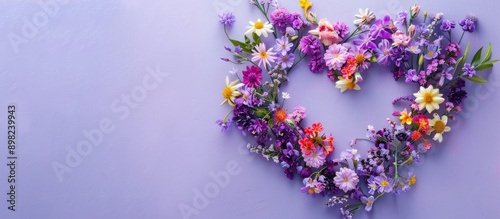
x=346, y=179
x=298, y=114
x=384, y=183
x=316, y=63
x=401, y=18
x=290, y=151
x=335, y=56
x=223, y=125
x=282, y=45
x=453, y=49
x=372, y=185
x=258, y=129
x=346, y=214
x=341, y=28
x=290, y=32
x=469, y=70
x=378, y=29
x=432, y=52
x=362, y=57
x=368, y=201
x=447, y=25
x=467, y=25
x=286, y=60
x=312, y=187
x=413, y=47
x=296, y=21
x=316, y=158
x=365, y=40
x=411, y=76
x=398, y=55
x=280, y=18
x=227, y=19
x=383, y=52
x=310, y=45
x=252, y=76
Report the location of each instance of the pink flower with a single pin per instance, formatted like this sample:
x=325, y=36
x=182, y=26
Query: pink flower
x=400, y=38
x=346, y=179
x=316, y=158
x=326, y=33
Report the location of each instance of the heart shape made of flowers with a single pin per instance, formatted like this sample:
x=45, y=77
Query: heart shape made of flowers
x=415, y=47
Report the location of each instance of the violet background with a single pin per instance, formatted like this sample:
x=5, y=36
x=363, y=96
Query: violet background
x=90, y=53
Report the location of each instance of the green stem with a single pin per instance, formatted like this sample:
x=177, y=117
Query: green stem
x=463, y=32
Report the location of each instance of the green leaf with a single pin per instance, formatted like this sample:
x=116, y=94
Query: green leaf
x=477, y=79
x=261, y=112
x=487, y=55
x=456, y=64
x=477, y=57
x=484, y=66
x=464, y=58
x=256, y=38
x=244, y=46
x=247, y=40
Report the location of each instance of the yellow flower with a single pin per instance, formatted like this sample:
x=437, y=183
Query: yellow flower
x=346, y=84
x=230, y=92
x=439, y=126
x=405, y=117
x=428, y=98
x=305, y=4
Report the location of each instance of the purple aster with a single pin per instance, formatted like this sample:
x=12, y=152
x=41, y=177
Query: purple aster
x=469, y=70
x=346, y=179
x=280, y=18
x=252, y=76
x=378, y=29
x=316, y=158
x=310, y=45
x=282, y=45
x=383, y=52
x=335, y=56
x=398, y=55
x=401, y=18
x=384, y=183
x=368, y=201
x=447, y=25
x=227, y=19
x=467, y=25
x=341, y=28
x=316, y=63
x=286, y=60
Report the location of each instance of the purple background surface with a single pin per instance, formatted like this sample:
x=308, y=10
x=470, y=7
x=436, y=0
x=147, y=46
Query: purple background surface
x=144, y=79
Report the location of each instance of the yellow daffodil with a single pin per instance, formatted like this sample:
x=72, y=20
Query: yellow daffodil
x=439, y=126
x=305, y=4
x=346, y=84
x=230, y=92
x=428, y=98
x=405, y=117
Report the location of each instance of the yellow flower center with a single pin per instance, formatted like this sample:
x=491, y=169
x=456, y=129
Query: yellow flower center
x=336, y=55
x=310, y=190
x=258, y=25
x=384, y=183
x=314, y=155
x=227, y=92
x=346, y=179
x=428, y=98
x=430, y=53
x=412, y=181
x=360, y=58
x=439, y=126
x=263, y=54
x=368, y=202
x=350, y=85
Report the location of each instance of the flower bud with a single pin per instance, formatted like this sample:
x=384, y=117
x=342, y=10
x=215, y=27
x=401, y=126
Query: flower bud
x=412, y=30
x=421, y=60
x=357, y=78
x=415, y=9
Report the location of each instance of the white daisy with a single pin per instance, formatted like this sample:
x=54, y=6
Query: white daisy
x=364, y=16
x=230, y=92
x=439, y=125
x=259, y=28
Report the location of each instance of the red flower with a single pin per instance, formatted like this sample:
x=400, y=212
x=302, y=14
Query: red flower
x=306, y=145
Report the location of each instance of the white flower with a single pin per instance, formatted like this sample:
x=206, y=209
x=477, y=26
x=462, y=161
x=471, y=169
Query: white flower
x=364, y=16
x=233, y=71
x=439, y=125
x=259, y=28
x=346, y=84
x=428, y=98
x=285, y=95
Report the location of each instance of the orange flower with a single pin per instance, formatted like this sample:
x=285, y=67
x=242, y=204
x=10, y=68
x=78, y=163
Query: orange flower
x=405, y=117
x=416, y=135
x=306, y=145
x=280, y=115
